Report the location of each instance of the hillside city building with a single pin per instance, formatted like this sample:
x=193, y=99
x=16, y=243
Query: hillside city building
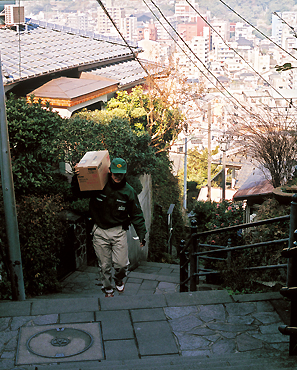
x=226, y=57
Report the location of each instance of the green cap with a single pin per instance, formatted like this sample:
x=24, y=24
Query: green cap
x=118, y=165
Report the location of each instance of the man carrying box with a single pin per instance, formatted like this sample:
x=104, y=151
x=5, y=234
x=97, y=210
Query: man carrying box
x=113, y=209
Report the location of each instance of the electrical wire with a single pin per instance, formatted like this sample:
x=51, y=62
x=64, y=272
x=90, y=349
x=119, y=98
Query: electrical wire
x=181, y=47
x=122, y=37
x=238, y=102
x=255, y=28
x=235, y=51
x=291, y=28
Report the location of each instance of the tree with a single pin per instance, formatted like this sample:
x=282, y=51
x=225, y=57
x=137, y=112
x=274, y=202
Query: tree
x=170, y=96
x=197, y=166
x=159, y=110
x=269, y=136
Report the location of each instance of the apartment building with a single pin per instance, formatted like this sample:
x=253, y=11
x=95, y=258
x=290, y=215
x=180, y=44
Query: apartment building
x=128, y=27
x=184, y=12
x=104, y=25
x=220, y=30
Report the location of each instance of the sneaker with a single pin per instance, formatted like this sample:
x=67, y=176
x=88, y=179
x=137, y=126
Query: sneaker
x=108, y=292
x=120, y=287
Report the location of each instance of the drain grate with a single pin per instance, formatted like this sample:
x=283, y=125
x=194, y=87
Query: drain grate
x=54, y=343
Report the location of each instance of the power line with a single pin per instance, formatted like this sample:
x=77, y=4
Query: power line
x=292, y=28
x=238, y=102
x=181, y=47
x=288, y=100
x=263, y=34
x=122, y=37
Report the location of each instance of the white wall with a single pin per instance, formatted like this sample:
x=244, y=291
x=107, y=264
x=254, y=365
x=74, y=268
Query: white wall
x=137, y=254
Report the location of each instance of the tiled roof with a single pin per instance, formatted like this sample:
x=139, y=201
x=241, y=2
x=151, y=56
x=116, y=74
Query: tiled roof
x=125, y=72
x=41, y=51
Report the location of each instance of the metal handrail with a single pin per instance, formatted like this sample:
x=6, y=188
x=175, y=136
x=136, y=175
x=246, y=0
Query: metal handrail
x=290, y=291
x=247, y=246
x=194, y=255
x=244, y=226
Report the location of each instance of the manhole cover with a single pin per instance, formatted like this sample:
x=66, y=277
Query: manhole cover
x=54, y=343
x=59, y=342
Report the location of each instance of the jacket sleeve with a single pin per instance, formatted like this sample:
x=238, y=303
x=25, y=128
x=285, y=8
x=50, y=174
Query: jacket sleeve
x=136, y=216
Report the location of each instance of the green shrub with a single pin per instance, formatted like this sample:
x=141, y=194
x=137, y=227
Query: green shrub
x=165, y=192
x=42, y=235
x=214, y=216
x=35, y=136
x=135, y=183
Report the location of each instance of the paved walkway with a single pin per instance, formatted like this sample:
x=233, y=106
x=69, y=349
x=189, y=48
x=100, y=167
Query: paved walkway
x=149, y=319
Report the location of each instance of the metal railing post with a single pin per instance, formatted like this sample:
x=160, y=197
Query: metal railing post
x=290, y=291
x=193, y=257
x=170, y=228
x=229, y=244
x=292, y=276
x=183, y=271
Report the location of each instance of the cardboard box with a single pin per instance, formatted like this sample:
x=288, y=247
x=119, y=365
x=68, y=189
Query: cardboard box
x=93, y=170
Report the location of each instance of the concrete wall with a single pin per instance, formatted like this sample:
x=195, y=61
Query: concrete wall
x=137, y=254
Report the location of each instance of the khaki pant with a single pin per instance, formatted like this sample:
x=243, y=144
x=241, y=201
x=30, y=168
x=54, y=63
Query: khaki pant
x=111, y=249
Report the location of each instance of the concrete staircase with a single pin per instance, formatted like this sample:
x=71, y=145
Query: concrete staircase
x=150, y=326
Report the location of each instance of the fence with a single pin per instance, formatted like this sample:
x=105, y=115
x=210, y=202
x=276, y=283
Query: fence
x=191, y=252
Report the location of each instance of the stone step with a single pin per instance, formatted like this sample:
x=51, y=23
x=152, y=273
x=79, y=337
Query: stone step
x=229, y=362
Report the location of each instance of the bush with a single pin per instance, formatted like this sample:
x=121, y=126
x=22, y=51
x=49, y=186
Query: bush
x=214, y=216
x=42, y=235
x=165, y=192
x=36, y=138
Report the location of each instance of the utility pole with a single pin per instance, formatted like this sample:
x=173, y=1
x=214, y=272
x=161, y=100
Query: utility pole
x=185, y=174
x=224, y=147
x=209, y=153
x=224, y=176
x=14, y=250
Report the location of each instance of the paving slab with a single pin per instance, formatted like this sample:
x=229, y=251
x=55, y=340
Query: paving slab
x=149, y=284
x=142, y=275
x=245, y=308
x=47, y=306
x=197, y=298
x=155, y=338
x=212, y=312
x=132, y=288
x=20, y=308
x=257, y=297
x=152, y=314
x=77, y=317
x=115, y=324
x=267, y=317
x=121, y=350
x=173, y=278
x=139, y=301
x=166, y=288
x=248, y=343
x=134, y=280
x=166, y=271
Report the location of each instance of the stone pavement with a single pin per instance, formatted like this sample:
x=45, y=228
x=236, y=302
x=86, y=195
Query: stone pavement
x=150, y=321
